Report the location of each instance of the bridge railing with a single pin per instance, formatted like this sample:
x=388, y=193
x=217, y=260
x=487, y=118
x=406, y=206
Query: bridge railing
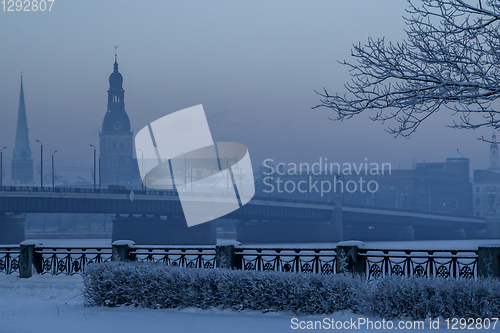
x=372, y=263
x=89, y=190
x=173, y=193
x=151, y=192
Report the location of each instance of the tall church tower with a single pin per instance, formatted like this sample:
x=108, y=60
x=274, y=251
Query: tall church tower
x=117, y=163
x=22, y=163
x=494, y=159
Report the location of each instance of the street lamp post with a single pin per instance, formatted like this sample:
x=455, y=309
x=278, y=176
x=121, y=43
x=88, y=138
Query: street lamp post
x=41, y=162
x=99, y=172
x=94, y=163
x=142, y=165
x=55, y=151
x=1, y=167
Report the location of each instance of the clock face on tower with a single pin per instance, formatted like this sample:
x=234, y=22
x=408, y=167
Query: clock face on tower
x=118, y=126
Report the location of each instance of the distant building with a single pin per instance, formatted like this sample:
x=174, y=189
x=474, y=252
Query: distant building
x=116, y=157
x=22, y=163
x=442, y=188
x=486, y=195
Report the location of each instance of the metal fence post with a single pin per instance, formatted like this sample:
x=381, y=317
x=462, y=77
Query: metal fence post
x=121, y=250
x=348, y=260
x=29, y=259
x=488, y=261
x=224, y=256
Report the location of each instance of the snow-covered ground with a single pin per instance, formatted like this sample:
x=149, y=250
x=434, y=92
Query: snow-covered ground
x=55, y=304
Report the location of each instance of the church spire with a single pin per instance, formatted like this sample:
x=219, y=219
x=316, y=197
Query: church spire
x=116, y=119
x=22, y=164
x=116, y=62
x=22, y=146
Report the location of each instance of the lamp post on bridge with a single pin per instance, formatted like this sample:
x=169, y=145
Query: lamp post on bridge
x=1, y=167
x=41, y=162
x=99, y=172
x=142, y=165
x=94, y=164
x=55, y=151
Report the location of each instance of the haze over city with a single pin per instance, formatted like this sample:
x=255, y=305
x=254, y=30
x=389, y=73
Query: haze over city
x=254, y=66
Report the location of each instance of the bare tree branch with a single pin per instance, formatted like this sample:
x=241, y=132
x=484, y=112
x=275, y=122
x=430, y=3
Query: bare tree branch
x=450, y=59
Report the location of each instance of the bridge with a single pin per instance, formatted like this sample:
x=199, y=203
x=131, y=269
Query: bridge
x=259, y=216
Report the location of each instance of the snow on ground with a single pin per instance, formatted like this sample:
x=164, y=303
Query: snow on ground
x=55, y=304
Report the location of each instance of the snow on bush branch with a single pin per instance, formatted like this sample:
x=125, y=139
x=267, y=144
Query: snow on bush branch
x=160, y=286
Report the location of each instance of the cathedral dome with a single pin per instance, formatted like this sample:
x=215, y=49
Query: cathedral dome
x=116, y=120
x=115, y=79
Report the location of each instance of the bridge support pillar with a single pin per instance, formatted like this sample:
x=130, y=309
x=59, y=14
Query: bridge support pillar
x=12, y=228
x=492, y=227
x=336, y=220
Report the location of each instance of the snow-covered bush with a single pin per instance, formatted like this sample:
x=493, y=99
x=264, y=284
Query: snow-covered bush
x=160, y=286
x=420, y=297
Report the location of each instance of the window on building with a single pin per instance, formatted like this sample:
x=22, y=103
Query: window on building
x=477, y=189
x=478, y=201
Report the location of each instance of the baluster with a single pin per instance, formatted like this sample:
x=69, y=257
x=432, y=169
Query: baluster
x=406, y=265
x=385, y=262
x=455, y=268
x=54, y=263
x=68, y=263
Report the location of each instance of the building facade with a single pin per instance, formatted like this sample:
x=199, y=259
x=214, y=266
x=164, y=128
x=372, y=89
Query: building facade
x=441, y=188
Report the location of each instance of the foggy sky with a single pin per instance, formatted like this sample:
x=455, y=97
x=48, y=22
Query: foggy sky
x=254, y=65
